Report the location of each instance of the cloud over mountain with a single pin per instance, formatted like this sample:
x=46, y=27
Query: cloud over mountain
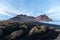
x=11, y=8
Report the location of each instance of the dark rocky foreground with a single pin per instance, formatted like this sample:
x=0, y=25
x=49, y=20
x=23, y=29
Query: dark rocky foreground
x=58, y=38
x=27, y=31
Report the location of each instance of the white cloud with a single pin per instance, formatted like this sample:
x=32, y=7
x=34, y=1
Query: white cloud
x=53, y=12
x=2, y=12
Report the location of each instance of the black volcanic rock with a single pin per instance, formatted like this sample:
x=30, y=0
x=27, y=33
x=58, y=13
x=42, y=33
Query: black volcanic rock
x=34, y=31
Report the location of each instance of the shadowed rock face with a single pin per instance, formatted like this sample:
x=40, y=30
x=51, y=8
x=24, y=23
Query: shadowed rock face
x=26, y=31
x=23, y=18
x=1, y=32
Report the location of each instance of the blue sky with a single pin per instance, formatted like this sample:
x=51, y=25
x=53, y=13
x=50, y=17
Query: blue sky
x=11, y=8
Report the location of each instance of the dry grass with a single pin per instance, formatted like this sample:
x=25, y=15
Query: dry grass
x=58, y=30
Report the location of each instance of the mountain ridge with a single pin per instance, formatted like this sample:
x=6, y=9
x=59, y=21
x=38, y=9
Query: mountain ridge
x=22, y=17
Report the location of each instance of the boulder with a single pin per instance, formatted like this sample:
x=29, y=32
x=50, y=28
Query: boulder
x=15, y=34
x=1, y=32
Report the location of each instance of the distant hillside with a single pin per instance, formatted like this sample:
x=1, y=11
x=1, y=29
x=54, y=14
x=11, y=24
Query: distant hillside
x=30, y=18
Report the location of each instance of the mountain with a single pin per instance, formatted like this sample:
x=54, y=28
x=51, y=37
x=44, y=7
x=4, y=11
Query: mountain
x=23, y=18
x=30, y=18
x=43, y=18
